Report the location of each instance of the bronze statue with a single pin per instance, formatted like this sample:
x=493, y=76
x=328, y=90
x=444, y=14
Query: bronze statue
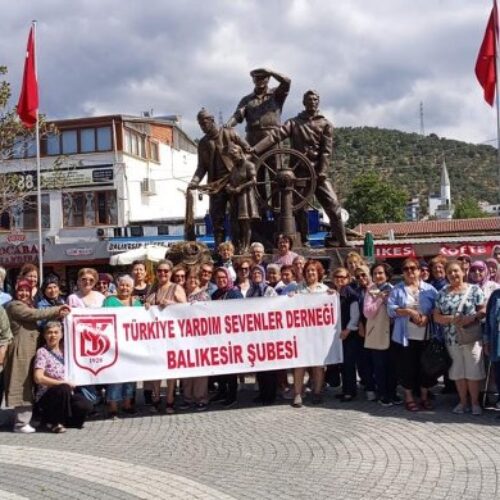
x=241, y=188
x=311, y=133
x=262, y=108
x=217, y=167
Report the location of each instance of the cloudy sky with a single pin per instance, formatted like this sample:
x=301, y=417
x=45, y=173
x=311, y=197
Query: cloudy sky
x=373, y=61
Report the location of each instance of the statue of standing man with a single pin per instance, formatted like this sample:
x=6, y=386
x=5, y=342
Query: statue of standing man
x=262, y=108
x=217, y=166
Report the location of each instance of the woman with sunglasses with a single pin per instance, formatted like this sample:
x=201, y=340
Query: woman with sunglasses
x=163, y=294
x=86, y=296
x=410, y=305
x=242, y=267
x=349, y=334
x=479, y=275
x=206, y=273
x=179, y=273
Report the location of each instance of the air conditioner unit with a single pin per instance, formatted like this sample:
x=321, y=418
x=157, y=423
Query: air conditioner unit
x=148, y=187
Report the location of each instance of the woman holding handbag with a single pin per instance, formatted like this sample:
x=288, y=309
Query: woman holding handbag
x=459, y=307
x=378, y=334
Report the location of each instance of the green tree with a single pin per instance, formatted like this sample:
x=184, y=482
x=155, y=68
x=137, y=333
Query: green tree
x=373, y=199
x=468, y=208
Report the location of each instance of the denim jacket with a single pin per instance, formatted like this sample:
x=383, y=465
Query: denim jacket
x=398, y=298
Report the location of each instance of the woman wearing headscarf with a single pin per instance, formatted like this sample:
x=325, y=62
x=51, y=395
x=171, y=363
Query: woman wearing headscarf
x=479, y=275
x=227, y=385
x=18, y=370
x=51, y=293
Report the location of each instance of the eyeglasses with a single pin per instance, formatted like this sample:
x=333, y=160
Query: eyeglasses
x=207, y=271
x=409, y=268
x=87, y=280
x=362, y=275
x=341, y=277
x=243, y=269
x=163, y=270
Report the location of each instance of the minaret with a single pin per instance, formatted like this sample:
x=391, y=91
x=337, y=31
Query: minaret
x=445, y=209
x=445, y=186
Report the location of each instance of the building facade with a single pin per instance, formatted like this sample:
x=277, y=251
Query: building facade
x=102, y=178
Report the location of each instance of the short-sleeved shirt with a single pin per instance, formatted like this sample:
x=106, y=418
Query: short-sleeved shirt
x=447, y=303
x=52, y=365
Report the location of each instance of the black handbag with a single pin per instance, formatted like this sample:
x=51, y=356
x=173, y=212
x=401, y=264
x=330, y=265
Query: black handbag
x=435, y=360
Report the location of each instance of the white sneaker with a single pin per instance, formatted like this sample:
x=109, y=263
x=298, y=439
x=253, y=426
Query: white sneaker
x=371, y=396
x=25, y=429
x=477, y=410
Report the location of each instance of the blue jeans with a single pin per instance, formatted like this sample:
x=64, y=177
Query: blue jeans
x=120, y=392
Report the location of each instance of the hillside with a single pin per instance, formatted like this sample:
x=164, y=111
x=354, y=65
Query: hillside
x=414, y=162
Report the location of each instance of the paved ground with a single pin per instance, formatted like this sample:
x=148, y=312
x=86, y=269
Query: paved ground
x=349, y=451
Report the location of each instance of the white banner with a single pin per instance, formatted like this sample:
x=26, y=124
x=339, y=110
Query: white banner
x=128, y=344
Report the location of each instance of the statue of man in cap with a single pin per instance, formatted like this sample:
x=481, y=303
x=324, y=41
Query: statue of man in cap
x=312, y=134
x=217, y=166
x=262, y=108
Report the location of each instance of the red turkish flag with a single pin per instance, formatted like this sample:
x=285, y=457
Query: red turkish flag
x=27, y=106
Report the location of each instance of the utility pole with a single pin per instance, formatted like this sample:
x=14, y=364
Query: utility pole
x=422, y=129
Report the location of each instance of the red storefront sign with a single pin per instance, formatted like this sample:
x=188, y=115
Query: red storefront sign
x=394, y=251
x=18, y=254
x=474, y=250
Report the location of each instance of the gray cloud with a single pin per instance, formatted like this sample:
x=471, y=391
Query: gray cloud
x=372, y=62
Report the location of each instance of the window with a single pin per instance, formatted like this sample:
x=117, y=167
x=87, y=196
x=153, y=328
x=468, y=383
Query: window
x=69, y=142
x=91, y=208
x=104, y=139
x=83, y=140
x=139, y=145
x=24, y=214
x=53, y=145
x=23, y=147
x=87, y=140
x=155, y=153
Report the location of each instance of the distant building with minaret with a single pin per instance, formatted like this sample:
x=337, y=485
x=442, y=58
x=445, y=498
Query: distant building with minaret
x=440, y=206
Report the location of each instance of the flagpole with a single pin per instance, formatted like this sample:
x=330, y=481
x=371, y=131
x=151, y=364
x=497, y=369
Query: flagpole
x=497, y=86
x=38, y=176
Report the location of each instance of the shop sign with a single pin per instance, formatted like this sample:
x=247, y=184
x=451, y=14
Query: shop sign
x=125, y=246
x=394, y=251
x=19, y=254
x=79, y=252
x=16, y=237
x=474, y=250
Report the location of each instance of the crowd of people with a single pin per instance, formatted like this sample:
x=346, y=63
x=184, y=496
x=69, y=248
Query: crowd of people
x=386, y=325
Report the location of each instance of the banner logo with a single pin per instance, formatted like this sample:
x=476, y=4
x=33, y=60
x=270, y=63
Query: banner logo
x=95, y=342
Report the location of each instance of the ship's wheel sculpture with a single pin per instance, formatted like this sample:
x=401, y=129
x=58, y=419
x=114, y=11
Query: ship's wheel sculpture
x=286, y=182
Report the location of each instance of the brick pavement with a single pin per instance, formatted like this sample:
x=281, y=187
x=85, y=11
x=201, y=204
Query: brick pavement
x=350, y=451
